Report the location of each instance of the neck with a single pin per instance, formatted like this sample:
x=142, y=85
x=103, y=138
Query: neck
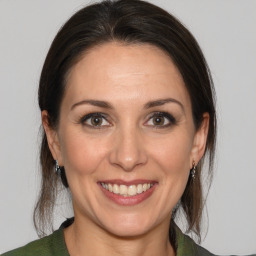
x=84, y=236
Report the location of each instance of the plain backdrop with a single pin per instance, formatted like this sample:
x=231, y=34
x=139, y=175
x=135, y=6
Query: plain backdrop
x=226, y=31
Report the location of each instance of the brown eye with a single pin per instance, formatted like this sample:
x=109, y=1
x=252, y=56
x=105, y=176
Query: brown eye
x=158, y=120
x=95, y=120
x=161, y=120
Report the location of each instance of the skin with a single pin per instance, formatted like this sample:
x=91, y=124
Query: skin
x=128, y=145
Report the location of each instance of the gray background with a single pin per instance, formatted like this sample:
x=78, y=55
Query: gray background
x=226, y=32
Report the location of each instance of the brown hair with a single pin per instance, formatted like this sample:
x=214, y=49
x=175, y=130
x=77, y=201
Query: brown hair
x=130, y=22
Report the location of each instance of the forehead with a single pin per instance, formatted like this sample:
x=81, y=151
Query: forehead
x=114, y=70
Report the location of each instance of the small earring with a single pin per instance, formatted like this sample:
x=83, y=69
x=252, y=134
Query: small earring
x=57, y=168
x=193, y=170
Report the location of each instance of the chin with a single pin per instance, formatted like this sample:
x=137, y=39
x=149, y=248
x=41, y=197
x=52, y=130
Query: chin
x=128, y=231
x=127, y=226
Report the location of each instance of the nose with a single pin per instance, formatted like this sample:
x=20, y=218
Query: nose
x=128, y=150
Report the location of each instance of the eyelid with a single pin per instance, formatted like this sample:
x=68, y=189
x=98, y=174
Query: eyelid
x=86, y=117
x=168, y=116
x=171, y=119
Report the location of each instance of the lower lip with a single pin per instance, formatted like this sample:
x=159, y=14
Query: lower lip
x=128, y=200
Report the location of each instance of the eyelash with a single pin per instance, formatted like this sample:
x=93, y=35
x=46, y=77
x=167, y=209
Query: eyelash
x=169, y=117
x=87, y=117
x=171, y=120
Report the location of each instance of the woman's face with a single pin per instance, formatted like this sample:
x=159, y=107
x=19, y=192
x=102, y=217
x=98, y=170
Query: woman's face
x=126, y=138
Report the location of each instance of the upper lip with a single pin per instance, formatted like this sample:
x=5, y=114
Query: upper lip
x=128, y=183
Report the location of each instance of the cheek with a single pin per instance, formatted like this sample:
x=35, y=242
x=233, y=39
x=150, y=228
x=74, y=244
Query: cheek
x=81, y=154
x=173, y=152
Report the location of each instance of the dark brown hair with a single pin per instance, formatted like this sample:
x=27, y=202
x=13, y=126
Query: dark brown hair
x=128, y=22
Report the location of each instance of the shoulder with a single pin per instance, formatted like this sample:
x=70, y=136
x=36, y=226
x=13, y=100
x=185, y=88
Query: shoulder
x=48, y=246
x=198, y=250
x=187, y=247
x=191, y=248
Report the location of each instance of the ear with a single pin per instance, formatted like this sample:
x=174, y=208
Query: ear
x=200, y=139
x=52, y=138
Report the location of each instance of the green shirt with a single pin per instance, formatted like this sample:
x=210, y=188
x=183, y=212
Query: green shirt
x=54, y=245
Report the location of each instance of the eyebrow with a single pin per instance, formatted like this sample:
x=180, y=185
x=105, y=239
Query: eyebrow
x=161, y=102
x=150, y=104
x=97, y=103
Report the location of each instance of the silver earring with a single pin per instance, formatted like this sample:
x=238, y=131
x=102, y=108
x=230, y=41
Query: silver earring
x=193, y=170
x=57, y=168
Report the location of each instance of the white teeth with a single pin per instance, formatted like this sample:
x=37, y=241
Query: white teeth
x=132, y=190
x=139, y=189
x=124, y=190
x=145, y=187
x=116, y=189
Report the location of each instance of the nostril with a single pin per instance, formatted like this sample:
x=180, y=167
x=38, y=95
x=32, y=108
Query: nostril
x=126, y=160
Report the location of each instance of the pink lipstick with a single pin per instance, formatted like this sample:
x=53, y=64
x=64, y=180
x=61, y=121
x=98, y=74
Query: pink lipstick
x=127, y=193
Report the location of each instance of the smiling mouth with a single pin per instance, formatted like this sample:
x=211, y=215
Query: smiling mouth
x=127, y=191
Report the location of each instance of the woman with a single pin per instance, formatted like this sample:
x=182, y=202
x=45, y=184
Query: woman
x=128, y=113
